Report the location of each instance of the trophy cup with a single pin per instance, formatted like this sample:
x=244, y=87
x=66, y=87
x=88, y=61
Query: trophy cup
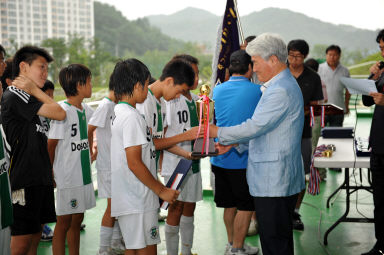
x=204, y=146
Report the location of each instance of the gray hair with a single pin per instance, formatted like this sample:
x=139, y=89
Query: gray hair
x=267, y=45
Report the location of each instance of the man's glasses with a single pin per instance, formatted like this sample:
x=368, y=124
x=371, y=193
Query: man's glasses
x=295, y=56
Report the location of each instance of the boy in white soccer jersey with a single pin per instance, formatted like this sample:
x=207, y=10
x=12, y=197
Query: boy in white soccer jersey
x=101, y=122
x=69, y=152
x=176, y=78
x=181, y=114
x=135, y=188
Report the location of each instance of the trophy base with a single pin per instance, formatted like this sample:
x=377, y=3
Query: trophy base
x=199, y=147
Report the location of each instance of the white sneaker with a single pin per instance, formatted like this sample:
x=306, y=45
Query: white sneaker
x=250, y=249
x=253, y=228
x=228, y=248
x=107, y=252
x=117, y=247
x=238, y=252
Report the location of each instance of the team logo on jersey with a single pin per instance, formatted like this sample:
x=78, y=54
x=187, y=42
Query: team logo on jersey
x=3, y=166
x=73, y=203
x=80, y=146
x=154, y=232
x=40, y=129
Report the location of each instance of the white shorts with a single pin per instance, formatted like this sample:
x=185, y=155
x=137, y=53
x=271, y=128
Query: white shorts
x=104, y=184
x=5, y=241
x=139, y=230
x=75, y=200
x=191, y=188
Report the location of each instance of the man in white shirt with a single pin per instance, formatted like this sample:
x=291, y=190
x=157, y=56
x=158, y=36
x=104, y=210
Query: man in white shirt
x=330, y=73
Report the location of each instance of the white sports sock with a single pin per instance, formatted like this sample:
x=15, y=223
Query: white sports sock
x=187, y=229
x=172, y=239
x=297, y=210
x=105, y=238
x=116, y=231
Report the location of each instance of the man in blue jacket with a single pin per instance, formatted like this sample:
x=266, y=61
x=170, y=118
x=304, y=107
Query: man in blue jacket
x=235, y=102
x=275, y=172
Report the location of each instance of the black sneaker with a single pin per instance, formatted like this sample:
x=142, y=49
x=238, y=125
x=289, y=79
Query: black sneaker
x=297, y=223
x=82, y=227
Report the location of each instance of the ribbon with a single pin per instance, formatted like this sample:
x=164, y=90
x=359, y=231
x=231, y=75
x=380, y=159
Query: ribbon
x=322, y=116
x=204, y=104
x=314, y=176
x=312, y=116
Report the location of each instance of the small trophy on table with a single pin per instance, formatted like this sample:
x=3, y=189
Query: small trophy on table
x=204, y=146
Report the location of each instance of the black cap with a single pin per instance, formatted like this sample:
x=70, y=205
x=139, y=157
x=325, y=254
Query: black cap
x=240, y=57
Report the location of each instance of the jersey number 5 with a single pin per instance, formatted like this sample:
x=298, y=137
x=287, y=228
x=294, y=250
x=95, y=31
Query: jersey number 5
x=74, y=130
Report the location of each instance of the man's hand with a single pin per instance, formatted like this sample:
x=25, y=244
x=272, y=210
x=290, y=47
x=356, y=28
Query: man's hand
x=24, y=83
x=222, y=149
x=169, y=195
x=378, y=98
x=374, y=69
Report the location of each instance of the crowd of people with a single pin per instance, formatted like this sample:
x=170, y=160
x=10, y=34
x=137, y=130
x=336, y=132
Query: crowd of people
x=144, y=126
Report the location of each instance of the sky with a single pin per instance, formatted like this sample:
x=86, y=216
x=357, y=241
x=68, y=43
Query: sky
x=367, y=14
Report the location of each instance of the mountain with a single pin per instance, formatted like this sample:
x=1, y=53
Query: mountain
x=118, y=35
x=192, y=24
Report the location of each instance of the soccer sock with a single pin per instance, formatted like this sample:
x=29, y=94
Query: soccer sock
x=172, y=239
x=187, y=229
x=105, y=238
x=116, y=236
x=297, y=210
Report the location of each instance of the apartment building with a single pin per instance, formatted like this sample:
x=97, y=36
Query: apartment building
x=32, y=21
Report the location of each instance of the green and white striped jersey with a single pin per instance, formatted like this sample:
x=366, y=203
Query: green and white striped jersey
x=72, y=164
x=181, y=115
x=153, y=112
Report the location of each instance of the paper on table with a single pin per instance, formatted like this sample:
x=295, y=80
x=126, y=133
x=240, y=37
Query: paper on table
x=359, y=86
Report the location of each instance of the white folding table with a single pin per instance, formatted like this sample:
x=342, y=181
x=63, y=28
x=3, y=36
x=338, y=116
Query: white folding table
x=344, y=157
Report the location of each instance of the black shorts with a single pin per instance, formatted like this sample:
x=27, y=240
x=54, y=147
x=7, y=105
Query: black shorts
x=231, y=189
x=39, y=209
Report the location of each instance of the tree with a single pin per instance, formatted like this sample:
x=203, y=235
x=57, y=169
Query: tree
x=58, y=50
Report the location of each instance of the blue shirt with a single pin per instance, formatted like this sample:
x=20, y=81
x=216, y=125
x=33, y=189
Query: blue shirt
x=235, y=102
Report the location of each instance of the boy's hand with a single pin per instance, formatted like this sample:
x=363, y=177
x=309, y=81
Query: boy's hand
x=191, y=134
x=213, y=129
x=169, y=195
x=24, y=83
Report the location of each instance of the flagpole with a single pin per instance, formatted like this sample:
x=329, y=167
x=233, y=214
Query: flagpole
x=238, y=22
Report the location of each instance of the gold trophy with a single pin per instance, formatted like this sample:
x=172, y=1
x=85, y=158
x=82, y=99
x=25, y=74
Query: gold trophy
x=204, y=146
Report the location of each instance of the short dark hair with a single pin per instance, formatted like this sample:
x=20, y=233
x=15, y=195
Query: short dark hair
x=126, y=75
x=48, y=85
x=7, y=74
x=250, y=38
x=181, y=72
x=2, y=50
x=190, y=59
x=333, y=47
x=380, y=36
x=239, y=62
x=299, y=45
x=28, y=54
x=312, y=63
x=72, y=75
x=151, y=80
